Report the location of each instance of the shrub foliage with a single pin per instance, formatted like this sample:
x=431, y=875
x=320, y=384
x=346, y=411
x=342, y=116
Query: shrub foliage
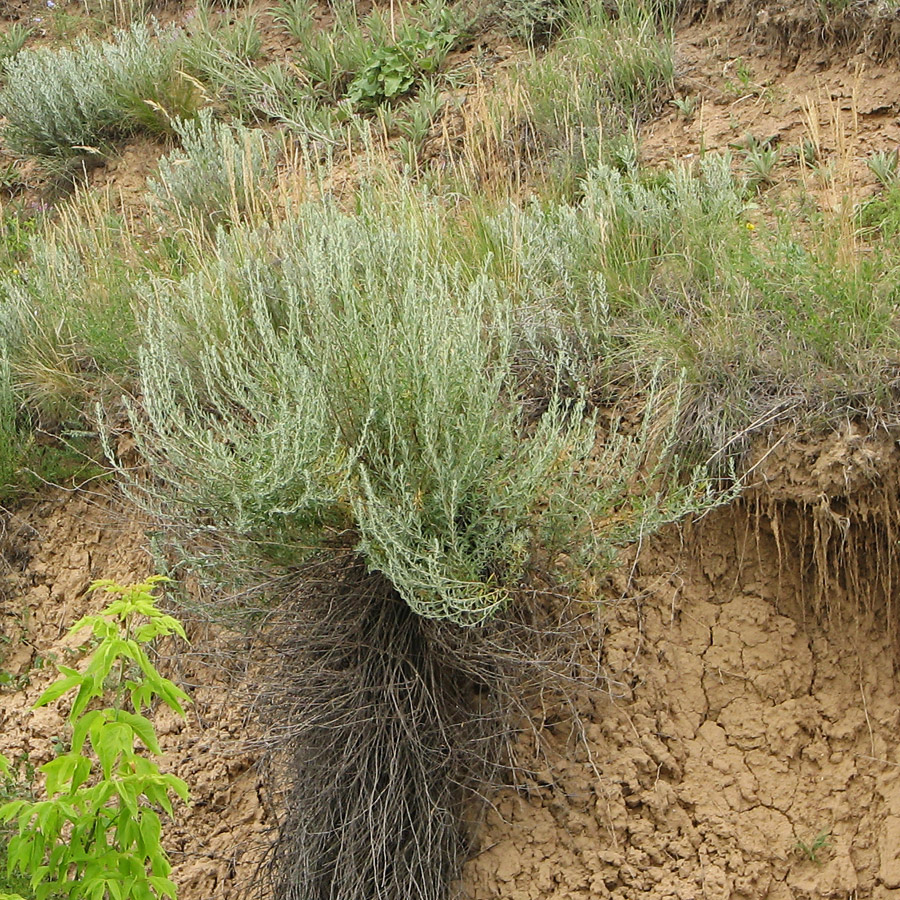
x=340, y=380
x=219, y=176
x=60, y=104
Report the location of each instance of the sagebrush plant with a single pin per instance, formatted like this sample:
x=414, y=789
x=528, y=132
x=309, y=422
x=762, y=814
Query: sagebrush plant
x=361, y=385
x=532, y=21
x=692, y=285
x=220, y=175
x=98, y=835
x=352, y=402
x=69, y=102
x=606, y=71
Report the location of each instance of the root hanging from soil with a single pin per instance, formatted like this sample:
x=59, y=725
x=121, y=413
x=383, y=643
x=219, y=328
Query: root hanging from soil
x=386, y=730
x=831, y=508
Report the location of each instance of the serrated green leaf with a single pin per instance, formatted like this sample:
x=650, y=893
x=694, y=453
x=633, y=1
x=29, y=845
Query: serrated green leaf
x=171, y=695
x=18, y=852
x=163, y=887
x=180, y=787
x=125, y=790
x=43, y=891
x=59, y=772
x=86, y=692
x=38, y=875
x=10, y=810
x=141, y=891
x=82, y=726
x=49, y=821
x=151, y=829
x=159, y=862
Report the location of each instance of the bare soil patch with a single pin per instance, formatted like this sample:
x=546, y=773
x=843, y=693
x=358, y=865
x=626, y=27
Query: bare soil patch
x=844, y=103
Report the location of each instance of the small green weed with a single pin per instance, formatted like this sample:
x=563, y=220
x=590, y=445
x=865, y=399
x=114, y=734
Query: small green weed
x=884, y=166
x=389, y=73
x=19, y=227
x=243, y=40
x=882, y=213
x=295, y=17
x=805, y=153
x=811, y=851
x=743, y=84
x=392, y=70
x=419, y=115
x=686, y=106
x=760, y=159
x=10, y=178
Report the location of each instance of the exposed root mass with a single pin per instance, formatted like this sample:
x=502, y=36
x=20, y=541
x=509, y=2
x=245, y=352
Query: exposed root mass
x=389, y=728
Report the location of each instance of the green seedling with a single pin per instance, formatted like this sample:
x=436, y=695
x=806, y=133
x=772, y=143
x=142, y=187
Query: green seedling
x=884, y=166
x=686, y=106
x=98, y=833
x=392, y=70
x=296, y=18
x=760, y=159
x=13, y=40
x=812, y=850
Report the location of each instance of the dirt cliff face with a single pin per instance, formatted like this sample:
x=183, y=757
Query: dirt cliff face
x=748, y=745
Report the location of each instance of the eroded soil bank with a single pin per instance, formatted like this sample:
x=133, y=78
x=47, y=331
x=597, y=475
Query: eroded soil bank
x=746, y=744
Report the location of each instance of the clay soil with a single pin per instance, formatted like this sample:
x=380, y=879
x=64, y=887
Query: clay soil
x=747, y=744
x=742, y=743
